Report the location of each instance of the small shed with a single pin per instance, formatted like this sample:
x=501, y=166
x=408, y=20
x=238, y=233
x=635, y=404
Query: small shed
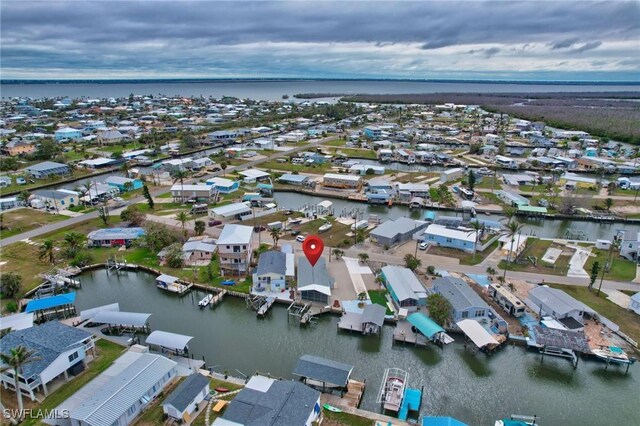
x=183, y=401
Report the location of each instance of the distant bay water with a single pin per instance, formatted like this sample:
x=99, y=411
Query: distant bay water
x=272, y=90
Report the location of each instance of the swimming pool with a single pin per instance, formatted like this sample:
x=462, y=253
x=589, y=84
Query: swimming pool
x=481, y=280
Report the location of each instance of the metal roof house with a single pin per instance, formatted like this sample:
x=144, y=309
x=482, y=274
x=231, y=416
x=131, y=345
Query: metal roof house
x=559, y=305
x=397, y=231
x=265, y=401
x=405, y=288
x=110, y=237
x=120, y=393
x=445, y=236
x=182, y=402
x=291, y=179
x=465, y=302
x=61, y=350
x=271, y=272
x=47, y=168
x=234, y=248
x=314, y=282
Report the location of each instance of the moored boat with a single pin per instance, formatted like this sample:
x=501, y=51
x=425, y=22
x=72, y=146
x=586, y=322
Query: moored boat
x=613, y=354
x=392, y=389
x=205, y=301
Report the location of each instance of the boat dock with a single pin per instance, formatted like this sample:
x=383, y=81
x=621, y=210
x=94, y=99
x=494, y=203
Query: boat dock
x=217, y=298
x=264, y=308
x=404, y=333
x=355, y=390
x=114, y=264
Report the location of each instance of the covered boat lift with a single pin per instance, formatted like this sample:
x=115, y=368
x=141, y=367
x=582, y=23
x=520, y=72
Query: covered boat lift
x=322, y=372
x=429, y=328
x=53, y=306
x=178, y=343
x=87, y=314
x=562, y=343
x=123, y=321
x=476, y=333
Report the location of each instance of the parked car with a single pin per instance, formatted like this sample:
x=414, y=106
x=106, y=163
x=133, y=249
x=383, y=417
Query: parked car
x=423, y=245
x=301, y=238
x=259, y=228
x=215, y=222
x=294, y=233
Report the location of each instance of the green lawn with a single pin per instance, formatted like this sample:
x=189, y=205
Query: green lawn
x=627, y=320
x=378, y=296
x=358, y=153
x=346, y=419
x=335, y=142
x=537, y=248
x=621, y=268
x=334, y=237
x=107, y=353
x=14, y=188
x=17, y=221
x=480, y=256
x=487, y=182
x=288, y=167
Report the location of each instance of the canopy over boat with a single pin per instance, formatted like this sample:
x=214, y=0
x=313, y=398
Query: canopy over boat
x=168, y=340
x=476, y=333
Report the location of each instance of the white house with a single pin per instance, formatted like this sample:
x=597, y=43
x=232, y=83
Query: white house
x=61, y=350
x=235, y=248
x=182, y=402
x=458, y=238
x=634, y=303
x=271, y=272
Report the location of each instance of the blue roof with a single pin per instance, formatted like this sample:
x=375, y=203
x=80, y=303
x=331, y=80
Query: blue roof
x=441, y=421
x=426, y=325
x=51, y=302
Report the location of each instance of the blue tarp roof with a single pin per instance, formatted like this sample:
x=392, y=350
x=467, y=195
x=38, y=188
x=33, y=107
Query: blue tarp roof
x=51, y=302
x=441, y=421
x=426, y=325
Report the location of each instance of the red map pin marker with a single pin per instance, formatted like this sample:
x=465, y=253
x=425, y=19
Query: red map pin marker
x=313, y=247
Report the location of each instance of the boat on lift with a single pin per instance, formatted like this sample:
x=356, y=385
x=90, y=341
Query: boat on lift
x=613, y=354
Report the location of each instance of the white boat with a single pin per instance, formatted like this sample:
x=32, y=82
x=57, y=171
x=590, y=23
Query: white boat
x=392, y=389
x=613, y=354
x=293, y=221
x=205, y=301
x=325, y=227
x=518, y=420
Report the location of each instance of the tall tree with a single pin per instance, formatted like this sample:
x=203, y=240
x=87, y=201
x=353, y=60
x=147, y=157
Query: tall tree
x=73, y=242
x=147, y=195
x=477, y=228
x=17, y=358
x=224, y=166
x=275, y=233
x=47, y=252
x=471, y=180
x=411, y=262
x=595, y=270
x=11, y=284
x=199, y=226
x=183, y=218
x=439, y=308
x=608, y=203
x=513, y=229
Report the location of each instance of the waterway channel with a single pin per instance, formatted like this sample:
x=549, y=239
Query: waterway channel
x=472, y=387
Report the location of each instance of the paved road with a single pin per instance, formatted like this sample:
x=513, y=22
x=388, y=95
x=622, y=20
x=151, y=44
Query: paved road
x=155, y=193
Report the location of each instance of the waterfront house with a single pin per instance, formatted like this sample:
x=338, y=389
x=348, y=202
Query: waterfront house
x=112, y=237
x=519, y=179
x=630, y=246
x=547, y=301
x=407, y=191
x=98, y=163
x=255, y=175
x=225, y=136
x=506, y=162
x=314, y=282
x=235, y=249
x=222, y=185
x=338, y=181
x=177, y=164
x=183, y=401
x=201, y=163
x=123, y=184
x=405, y=156
x=363, y=169
x=47, y=168
x=290, y=179
x=449, y=175
x=444, y=236
x=110, y=137
x=15, y=148
x=404, y=287
x=265, y=401
x=182, y=192
x=271, y=272
x=120, y=393
x=396, y=231
x=62, y=351
x=10, y=203
x=198, y=250
x=57, y=199
x=67, y=133
x=385, y=154
x=634, y=303
x=465, y=302
x=511, y=199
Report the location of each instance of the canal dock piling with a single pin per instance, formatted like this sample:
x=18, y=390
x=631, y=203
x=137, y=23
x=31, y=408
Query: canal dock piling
x=114, y=264
x=217, y=298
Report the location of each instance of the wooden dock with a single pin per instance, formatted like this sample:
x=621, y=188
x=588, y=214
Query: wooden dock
x=264, y=308
x=217, y=298
x=403, y=333
x=355, y=390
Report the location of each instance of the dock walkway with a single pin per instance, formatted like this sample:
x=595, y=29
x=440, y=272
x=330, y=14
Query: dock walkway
x=403, y=333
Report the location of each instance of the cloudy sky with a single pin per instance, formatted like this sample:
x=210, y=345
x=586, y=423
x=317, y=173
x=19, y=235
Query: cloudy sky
x=552, y=40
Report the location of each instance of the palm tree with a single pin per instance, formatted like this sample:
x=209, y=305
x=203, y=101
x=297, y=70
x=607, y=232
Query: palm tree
x=15, y=360
x=223, y=166
x=337, y=253
x=82, y=192
x=363, y=257
x=512, y=229
x=183, y=218
x=411, y=262
x=608, y=203
x=125, y=168
x=477, y=229
x=47, y=252
x=179, y=176
x=199, y=226
x=510, y=213
x=275, y=233
x=74, y=242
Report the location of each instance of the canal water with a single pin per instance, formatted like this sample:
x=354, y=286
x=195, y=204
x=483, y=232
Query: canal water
x=472, y=387
x=546, y=228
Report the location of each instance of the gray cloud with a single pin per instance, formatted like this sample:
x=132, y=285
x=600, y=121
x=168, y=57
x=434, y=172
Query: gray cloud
x=237, y=36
